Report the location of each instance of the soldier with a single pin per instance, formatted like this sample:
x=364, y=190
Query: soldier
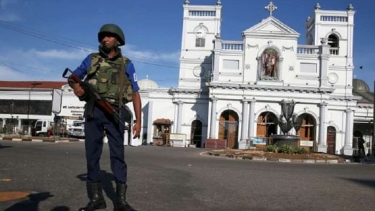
x=113, y=77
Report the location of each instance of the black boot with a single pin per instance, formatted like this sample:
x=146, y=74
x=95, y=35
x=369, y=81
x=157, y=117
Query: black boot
x=121, y=204
x=95, y=193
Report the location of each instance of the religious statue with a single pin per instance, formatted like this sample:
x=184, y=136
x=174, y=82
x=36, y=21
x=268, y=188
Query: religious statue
x=270, y=59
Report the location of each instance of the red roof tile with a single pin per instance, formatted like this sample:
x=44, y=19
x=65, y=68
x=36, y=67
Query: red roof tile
x=32, y=84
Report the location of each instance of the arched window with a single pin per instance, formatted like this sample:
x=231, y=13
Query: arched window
x=333, y=42
x=200, y=33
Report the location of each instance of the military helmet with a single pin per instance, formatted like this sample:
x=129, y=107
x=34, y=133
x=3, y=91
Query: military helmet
x=114, y=29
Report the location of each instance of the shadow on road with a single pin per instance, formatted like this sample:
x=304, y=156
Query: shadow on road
x=106, y=182
x=32, y=203
x=3, y=146
x=368, y=183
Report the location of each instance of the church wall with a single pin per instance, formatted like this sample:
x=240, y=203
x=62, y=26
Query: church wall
x=231, y=67
x=342, y=78
x=191, y=36
x=194, y=72
x=194, y=111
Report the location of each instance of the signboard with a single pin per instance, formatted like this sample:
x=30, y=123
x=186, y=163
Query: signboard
x=306, y=143
x=56, y=100
x=177, y=139
x=261, y=141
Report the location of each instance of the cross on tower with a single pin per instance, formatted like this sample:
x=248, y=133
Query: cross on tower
x=271, y=7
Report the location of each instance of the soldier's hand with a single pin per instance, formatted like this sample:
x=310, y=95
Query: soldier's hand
x=137, y=130
x=78, y=90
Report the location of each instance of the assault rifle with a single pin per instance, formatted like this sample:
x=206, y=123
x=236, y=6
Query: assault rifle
x=91, y=97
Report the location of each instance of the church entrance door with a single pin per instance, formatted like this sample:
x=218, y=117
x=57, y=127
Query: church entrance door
x=331, y=140
x=228, y=128
x=308, y=128
x=266, y=124
x=196, y=133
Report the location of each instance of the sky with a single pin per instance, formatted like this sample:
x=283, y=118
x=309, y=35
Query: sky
x=40, y=38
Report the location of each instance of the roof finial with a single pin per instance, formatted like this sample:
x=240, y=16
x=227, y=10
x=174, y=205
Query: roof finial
x=350, y=7
x=186, y=2
x=271, y=7
x=317, y=6
x=218, y=2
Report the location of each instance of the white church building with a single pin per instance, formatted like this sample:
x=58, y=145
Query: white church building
x=232, y=90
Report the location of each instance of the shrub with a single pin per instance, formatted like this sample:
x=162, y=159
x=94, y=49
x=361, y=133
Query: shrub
x=300, y=150
x=271, y=148
x=286, y=149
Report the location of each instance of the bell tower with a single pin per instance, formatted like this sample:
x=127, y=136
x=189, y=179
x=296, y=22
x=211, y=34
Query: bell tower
x=201, y=24
x=335, y=26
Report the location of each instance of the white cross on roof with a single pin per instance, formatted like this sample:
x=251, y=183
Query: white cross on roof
x=271, y=7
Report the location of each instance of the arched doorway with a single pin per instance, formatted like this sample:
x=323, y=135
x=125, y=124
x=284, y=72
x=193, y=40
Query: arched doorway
x=308, y=128
x=266, y=124
x=196, y=133
x=228, y=128
x=331, y=140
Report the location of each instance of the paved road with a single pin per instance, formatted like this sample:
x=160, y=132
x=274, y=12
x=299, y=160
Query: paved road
x=180, y=179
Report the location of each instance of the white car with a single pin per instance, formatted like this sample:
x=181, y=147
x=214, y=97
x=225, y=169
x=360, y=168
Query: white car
x=77, y=129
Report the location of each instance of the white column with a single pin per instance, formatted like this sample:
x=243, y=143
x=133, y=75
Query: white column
x=179, y=116
x=213, y=118
x=251, y=118
x=149, y=122
x=322, y=145
x=323, y=66
x=348, y=149
x=245, y=120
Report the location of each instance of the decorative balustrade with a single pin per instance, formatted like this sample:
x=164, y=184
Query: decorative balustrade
x=232, y=46
x=334, y=51
x=308, y=49
x=202, y=13
x=314, y=50
x=334, y=18
x=301, y=49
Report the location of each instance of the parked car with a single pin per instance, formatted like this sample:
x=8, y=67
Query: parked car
x=77, y=129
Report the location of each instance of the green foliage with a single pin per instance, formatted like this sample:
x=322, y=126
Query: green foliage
x=286, y=149
x=271, y=148
x=300, y=150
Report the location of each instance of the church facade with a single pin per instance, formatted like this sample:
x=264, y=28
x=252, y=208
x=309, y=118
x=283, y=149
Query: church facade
x=234, y=90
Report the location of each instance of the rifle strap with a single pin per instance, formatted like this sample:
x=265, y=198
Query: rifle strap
x=122, y=83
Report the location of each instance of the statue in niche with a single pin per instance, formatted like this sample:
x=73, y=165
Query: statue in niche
x=270, y=59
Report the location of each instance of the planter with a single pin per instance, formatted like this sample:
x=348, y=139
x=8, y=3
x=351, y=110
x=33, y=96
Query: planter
x=290, y=140
x=216, y=143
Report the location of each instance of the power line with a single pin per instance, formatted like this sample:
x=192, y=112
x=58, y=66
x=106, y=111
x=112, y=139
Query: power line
x=75, y=46
x=32, y=76
x=64, y=43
